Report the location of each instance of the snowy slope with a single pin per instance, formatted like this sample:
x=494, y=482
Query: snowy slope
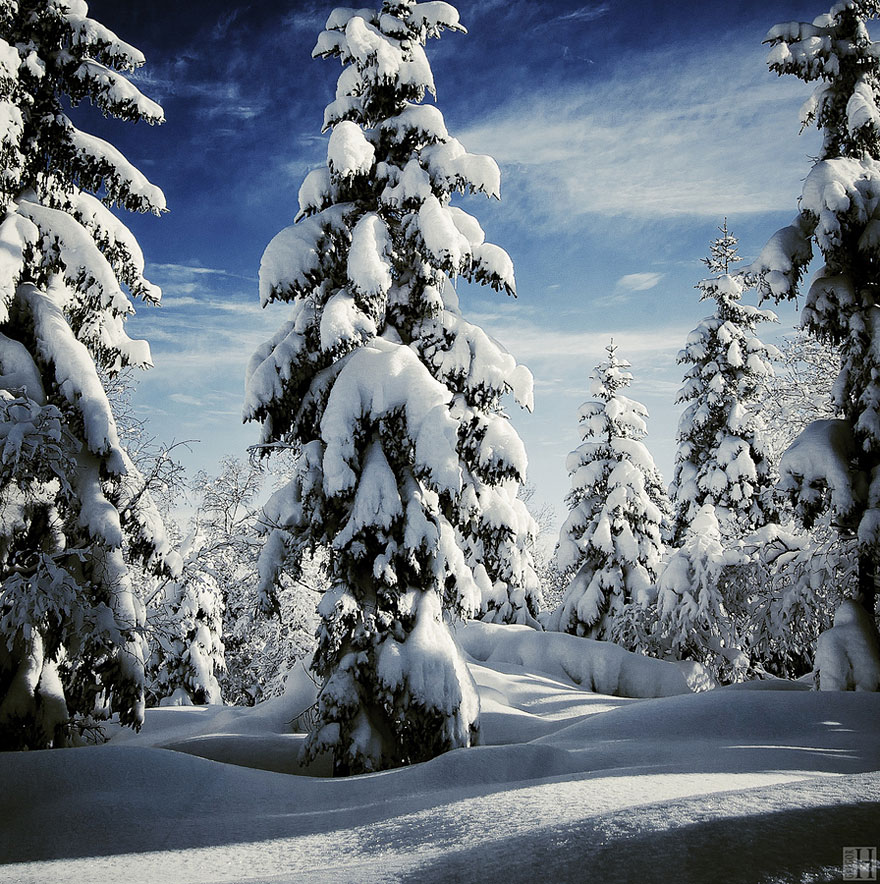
x=569, y=786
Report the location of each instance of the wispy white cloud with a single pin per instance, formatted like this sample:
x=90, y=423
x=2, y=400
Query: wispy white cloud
x=183, y=399
x=587, y=13
x=311, y=20
x=216, y=97
x=235, y=305
x=193, y=270
x=652, y=139
x=639, y=282
x=534, y=343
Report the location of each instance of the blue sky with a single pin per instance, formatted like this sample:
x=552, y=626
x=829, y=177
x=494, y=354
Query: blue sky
x=625, y=132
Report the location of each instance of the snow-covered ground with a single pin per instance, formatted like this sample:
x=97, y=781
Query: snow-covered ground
x=764, y=782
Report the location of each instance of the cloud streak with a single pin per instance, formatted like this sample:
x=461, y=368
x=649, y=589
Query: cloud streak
x=639, y=282
x=531, y=343
x=654, y=143
x=589, y=12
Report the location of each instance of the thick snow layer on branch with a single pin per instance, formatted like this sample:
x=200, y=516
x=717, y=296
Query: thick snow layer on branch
x=861, y=109
x=98, y=218
x=97, y=515
x=792, y=31
x=314, y=192
x=11, y=122
x=442, y=238
x=268, y=365
x=377, y=500
x=342, y=15
x=132, y=181
x=75, y=375
x=349, y=107
x=598, y=666
x=344, y=323
x=292, y=257
x=842, y=185
x=820, y=458
x=366, y=44
x=456, y=169
x=88, y=32
x=18, y=371
x=430, y=669
x=82, y=259
x=9, y=60
x=848, y=654
x=378, y=380
x=478, y=172
x=493, y=265
x=468, y=226
x=412, y=186
x=422, y=121
x=416, y=71
x=369, y=266
x=502, y=446
x=778, y=262
x=433, y=15
x=114, y=90
x=464, y=351
x=115, y=237
x=16, y=234
x=348, y=152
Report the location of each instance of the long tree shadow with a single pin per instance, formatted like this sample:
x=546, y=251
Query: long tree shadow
x=749, y=837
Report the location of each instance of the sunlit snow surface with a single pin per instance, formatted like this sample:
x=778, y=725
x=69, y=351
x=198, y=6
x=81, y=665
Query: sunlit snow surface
x=726, y=785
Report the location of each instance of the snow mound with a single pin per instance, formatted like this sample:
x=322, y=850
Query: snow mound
x=599, y=666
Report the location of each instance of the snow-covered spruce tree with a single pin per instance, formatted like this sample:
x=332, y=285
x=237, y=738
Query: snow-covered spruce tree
x=71, y=627
x=610, y=544
x=392, y=400
x=834, y=463
x=722, y=457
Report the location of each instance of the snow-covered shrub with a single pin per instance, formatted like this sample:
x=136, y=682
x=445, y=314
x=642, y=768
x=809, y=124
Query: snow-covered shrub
x=71, y=625
x=610, y=545
x=407, y=466
x=799, y=579
x=722, y=457
x=837, y=462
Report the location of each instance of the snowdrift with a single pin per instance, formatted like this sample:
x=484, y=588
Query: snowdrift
x=568, y=783
x=596, y=665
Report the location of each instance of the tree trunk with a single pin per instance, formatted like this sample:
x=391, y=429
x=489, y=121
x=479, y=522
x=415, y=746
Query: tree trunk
x=868, y=583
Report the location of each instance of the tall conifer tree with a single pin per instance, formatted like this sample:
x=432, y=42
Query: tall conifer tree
x=71, y=626
x=408, y=468
x=722, y=458
x=835, y=463
x=610, y=544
